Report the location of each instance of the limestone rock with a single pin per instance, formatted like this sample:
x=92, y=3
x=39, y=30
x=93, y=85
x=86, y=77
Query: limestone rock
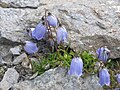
x=16, y=50
x=56, y=79
x=23, y=57
x=10, y=78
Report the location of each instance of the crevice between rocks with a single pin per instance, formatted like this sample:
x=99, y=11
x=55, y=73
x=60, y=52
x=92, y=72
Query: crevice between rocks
x=4, y=41
x=16, y=6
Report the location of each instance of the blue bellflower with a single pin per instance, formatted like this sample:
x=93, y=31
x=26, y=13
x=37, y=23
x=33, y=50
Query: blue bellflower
x=103, y=54
x=30, y=47
x=52, y=20
x=76, y=67
x=104, y=77
x=118, y=78
x=39, y=32
x=61, y=34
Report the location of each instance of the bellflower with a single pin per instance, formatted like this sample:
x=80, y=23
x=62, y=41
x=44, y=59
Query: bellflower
x=52, y=20
x=61, y=34
x=30, y=47
x=103, y=53
x=39, y=32
x=104, y=77
x=118, y=78
x=76, y=67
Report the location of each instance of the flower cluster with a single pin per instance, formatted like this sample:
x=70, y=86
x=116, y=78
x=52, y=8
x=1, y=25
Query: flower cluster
x=103, y=55
x=52, y=30
x=45, y=29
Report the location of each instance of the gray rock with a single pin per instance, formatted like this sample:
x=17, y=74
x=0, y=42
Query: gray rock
x=1, y=60
x=56, y=79
x=10, y=78
x=23, y=57
x=16, y=50
x=81, y=18
x=100, y=41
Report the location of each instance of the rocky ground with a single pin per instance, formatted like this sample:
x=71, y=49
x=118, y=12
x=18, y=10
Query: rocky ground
x=90, y=24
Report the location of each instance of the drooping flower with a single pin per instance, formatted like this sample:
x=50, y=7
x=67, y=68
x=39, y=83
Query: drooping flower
x=103, y=53
x=39, y=32
x=76, y=67
x=30, y=47
x=118, y=78
x=52, y=20
x=61, y=34
x=104, y=77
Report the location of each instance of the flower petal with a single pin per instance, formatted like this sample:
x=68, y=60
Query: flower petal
x=104, y=77
x=52, y=20
x=61, y=35
x=103, y=54
x=76, y=67
x=30, y=47
x=118, y=78
x=39, y=32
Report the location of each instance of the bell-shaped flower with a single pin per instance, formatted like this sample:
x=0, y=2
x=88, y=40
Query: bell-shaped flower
x=104, y=77
x=118, y=78
x=52, y=20
x=61, y=34
x=76, y=67
x=103, y=54
x=39, y=32
x=30, y=47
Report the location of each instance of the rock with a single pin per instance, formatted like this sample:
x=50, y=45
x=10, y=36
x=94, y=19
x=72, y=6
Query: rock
x=22, y=58
x=81, y=18
x=56, y=79
x=5, y=54
x=100, y=41
x=16, y=50
x=1, y=60
x=10, y=78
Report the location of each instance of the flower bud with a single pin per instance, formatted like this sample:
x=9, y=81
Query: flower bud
x=103, y=54
x=52, y=20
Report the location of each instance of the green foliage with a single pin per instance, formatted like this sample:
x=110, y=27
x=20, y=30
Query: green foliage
x=89, y=62
x=62, y=57
x=114, y=69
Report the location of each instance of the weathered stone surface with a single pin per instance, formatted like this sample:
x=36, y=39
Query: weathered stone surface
x=92, y=43
x=16, y=50
x=90, y=25
x=22, y=58
x=10, y=78
x=81, y=18
x=56, y=79
x=84, y=17
x=1, y=60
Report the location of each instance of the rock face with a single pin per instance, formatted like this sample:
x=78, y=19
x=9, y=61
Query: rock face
x=82, y=18
x=56, y=79
x=90, y=25
x=10, y=78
